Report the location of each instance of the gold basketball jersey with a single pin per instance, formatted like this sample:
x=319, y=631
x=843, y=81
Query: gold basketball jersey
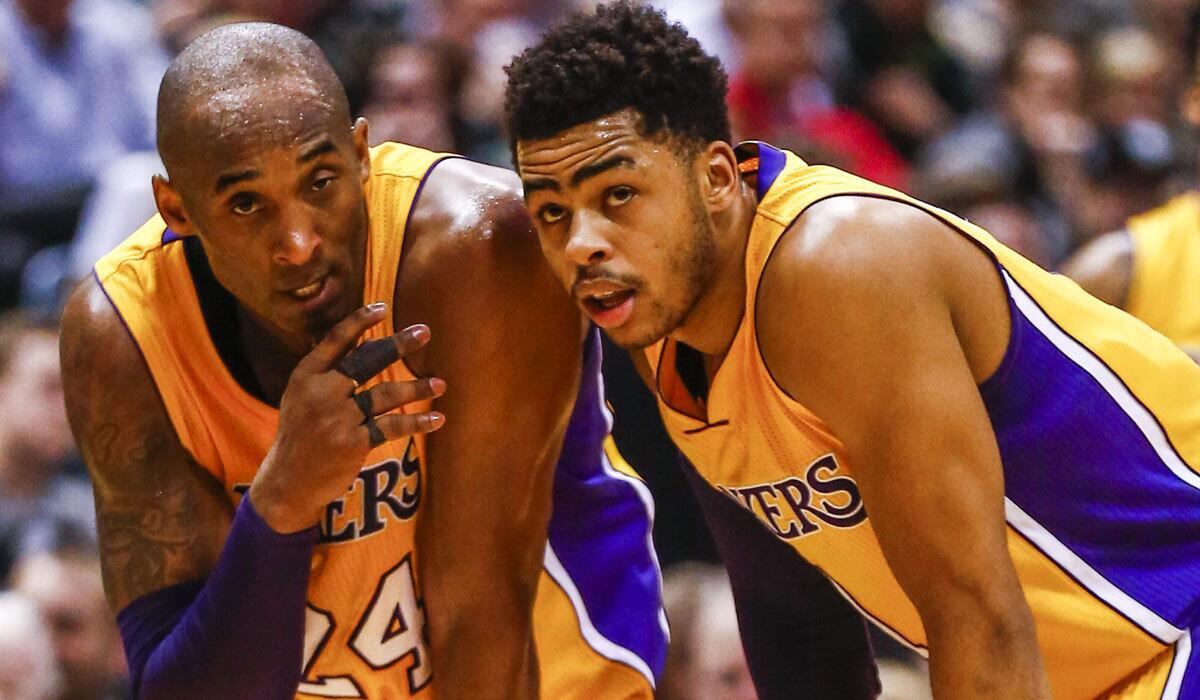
x=365, y=631
x=1164, y=288
x=1098, y=422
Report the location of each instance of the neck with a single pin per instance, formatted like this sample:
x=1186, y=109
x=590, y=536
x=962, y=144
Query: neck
x=714, y=319
x=271, y=356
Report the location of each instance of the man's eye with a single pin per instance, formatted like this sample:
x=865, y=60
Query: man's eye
x=619, y=195
x=244, y=205
x=552, y=214
x=322, y=183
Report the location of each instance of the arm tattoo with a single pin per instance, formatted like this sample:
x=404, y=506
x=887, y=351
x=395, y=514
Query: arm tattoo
x=161, y=518
x=152, y=531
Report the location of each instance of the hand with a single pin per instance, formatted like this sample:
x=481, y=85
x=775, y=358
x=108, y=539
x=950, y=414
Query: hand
x=323, y=439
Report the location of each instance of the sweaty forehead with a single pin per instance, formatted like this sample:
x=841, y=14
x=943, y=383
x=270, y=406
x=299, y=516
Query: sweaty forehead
x=278, y=113
x=586, y=143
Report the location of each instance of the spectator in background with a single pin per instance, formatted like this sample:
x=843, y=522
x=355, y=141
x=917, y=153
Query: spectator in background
x=1150, y=264
x=349, y=32
x=59, y=570
x=782, y=93
x=705, y=659
x=412, y=95
x=1027, y=147
x=903, y=78
x=1130, y=74
x=77, y=89
x=27, y=669
x=35, y=439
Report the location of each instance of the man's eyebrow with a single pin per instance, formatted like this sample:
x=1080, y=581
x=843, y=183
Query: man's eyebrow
x=595, y=169
x=588, y=171
x=541, y=183
x=321, y=147
x=229, y=179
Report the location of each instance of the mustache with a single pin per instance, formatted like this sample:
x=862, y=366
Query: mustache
x=598, y=273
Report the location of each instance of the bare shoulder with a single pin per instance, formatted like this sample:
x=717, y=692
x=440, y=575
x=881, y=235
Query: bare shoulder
x=161, y=518
x=1104, y=267
x=854, y=270
x=472, y=263
x=468, y=208
x=861, y=246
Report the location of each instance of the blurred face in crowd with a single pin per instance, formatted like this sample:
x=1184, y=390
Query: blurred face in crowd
x=780, y=40
x=50, y=16
x=31, y=400
x=902, y=13
x=622, y=222
x=273, y=184
x=291, y=13
x=1048, y=74
x=1132, y=66
x=27, y=668
x=70, y=596
x=408, y=103
x=718, y=662
x=705, y=659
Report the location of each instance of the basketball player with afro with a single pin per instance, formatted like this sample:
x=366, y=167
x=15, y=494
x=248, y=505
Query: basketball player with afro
x=992, y=465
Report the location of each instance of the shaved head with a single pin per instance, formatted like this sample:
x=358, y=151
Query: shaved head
x=247, y=83
x=266, y=170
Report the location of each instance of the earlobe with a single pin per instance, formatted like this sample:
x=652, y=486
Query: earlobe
x=721, y=176
x=170, y=206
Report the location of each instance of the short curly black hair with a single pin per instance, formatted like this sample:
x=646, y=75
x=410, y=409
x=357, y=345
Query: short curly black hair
x=620, y=55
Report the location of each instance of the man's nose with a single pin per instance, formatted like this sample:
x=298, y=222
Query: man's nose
x=587, y=243
x=297, y=242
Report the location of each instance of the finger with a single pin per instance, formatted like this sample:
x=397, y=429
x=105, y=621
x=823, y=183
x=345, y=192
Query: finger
x=375, y=436
x=341, y=338
x=397, y=425
x=388, y=396
x=374, y=356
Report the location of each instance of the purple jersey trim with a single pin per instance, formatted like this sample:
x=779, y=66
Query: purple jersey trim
x=1077, y=463
x=600, y=533
x=771, y=162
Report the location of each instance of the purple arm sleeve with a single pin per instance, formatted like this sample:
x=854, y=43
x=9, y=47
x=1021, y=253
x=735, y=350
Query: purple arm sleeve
x=238, y=634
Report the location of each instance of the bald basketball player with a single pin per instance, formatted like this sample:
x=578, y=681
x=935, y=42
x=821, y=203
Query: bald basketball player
x=251, y=378
x=995, y=467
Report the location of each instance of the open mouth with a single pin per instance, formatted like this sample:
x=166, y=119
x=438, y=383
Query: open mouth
x=316, y=294
x=309, y=291
x=610, y=308
x=607, y=300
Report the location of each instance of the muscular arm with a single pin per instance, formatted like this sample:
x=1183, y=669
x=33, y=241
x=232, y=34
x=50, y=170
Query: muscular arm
x=210, y=604
x=897, y=323
x=162, y=519
x=506, y=339
x=1104, y=268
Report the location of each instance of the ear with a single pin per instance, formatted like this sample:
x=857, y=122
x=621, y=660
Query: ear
x=170, y=206
x=1190, y=105
x=362, y=146
x=720, y=181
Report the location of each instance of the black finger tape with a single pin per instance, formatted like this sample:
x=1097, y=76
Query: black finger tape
x=369, y=359
x=365, y=404
x=375, y=436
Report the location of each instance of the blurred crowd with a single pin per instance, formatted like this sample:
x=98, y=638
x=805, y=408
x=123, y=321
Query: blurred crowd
x=1048, y=122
